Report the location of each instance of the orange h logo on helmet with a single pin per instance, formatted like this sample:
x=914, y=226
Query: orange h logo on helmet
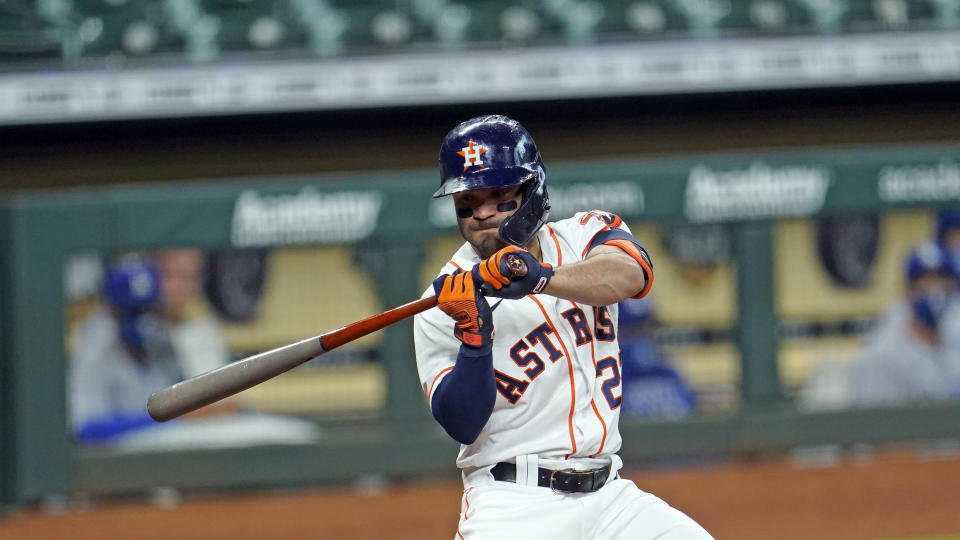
x=471, y=155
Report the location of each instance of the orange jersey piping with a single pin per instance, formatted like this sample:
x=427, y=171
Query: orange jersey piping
x=593, y=403
x=556, y=243
x=631, y=249
x=573, y=391
x=434, y=383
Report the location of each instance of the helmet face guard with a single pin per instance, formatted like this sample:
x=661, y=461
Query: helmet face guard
x=520, y=228
x=495, y=152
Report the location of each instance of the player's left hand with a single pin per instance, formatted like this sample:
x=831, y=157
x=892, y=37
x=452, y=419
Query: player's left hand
x=512, y=273
x=460, y=298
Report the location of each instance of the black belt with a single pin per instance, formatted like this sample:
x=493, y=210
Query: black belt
x=567, y=480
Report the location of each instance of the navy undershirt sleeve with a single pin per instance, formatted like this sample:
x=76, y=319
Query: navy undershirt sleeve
x=464, y=399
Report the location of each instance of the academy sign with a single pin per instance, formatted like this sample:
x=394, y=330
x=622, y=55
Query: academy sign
x=307, y=217
x=918, y=183
x=757, y=191
x=622, y=198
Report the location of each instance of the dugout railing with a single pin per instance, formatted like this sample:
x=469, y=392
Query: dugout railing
x=391, y=217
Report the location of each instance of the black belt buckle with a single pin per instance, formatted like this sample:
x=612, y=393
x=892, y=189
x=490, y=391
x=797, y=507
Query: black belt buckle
x=553, y=476
x=594, y=480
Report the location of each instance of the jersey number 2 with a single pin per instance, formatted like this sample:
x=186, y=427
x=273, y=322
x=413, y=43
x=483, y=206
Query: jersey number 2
x=612, y=382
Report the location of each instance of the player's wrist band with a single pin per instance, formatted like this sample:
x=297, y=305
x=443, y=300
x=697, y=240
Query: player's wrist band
x=565, y=481
x=473, y=339
x=481, y=350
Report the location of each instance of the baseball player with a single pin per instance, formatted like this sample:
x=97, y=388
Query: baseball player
x=529, y=382
x=119, y=355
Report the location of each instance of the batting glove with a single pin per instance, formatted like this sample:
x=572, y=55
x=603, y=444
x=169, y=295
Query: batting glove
x=512, y=273
x=460, y=298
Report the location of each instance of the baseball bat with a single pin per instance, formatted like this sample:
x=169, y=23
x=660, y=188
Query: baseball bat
x=206, y=388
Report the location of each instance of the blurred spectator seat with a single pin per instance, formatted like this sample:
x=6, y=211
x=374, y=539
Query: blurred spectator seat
x=198, y=28
x=704, y=18
x=946, y=13
x=825, y=16
x=26, y=33
x=127, y=27
x=203, y=30
x=324, y=24
x=248, y=25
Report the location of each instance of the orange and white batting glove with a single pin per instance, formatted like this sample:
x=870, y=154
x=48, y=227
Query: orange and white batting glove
x=460, y=298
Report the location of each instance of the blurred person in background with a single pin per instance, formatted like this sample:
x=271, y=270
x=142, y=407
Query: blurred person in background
x=195, y=334
x=905, y=358
x=948, y=235
x=120, y=355
x=148, y=333
x=652, y=388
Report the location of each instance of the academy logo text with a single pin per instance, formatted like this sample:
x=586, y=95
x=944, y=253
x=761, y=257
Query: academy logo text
x=757, y=191
x=307, y=217
x=918, y=183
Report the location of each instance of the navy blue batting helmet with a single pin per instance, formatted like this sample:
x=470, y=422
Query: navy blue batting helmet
x=926, y=258
x=947, y=220
x=495, y=151
x=132, y=286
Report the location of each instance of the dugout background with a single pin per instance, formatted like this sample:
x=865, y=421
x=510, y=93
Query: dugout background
x=44, y=162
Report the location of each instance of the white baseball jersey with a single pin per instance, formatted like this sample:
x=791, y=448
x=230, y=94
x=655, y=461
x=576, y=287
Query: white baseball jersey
x=557, y=362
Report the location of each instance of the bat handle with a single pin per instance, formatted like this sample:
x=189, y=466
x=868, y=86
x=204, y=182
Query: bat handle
x=517, y=267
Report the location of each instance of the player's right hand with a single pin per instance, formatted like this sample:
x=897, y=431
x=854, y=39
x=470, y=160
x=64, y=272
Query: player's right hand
x=460, y=298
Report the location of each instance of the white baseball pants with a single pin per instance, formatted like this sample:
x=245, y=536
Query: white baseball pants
x=618, y=511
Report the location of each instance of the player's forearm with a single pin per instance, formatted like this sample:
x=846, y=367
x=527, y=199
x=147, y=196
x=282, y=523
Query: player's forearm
x=605, y=278
x=464, y=399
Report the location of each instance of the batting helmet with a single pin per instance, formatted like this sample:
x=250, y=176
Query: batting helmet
x=928, y=257
x=947, y=220
x=132, y=286
x=495, y=151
